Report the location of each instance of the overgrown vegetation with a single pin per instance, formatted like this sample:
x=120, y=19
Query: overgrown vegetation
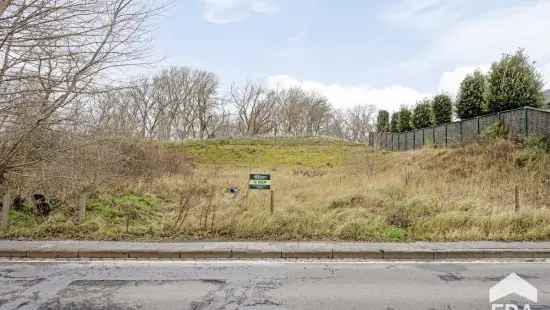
x=341, y=192
x=86, y=157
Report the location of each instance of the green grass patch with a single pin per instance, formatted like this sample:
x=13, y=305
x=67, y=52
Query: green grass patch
x=315, y=153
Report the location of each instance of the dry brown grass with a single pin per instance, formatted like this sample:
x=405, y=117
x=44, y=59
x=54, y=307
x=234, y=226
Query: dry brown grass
x=464, y=193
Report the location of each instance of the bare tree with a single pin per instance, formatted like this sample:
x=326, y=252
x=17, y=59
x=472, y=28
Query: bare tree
x=173, y=90
x=205, y=101
x=113, y=113
x=337, y=124
x=360, y=121
x=291, y=110
x=52, y=53
x=254, y=109
x=318, y=110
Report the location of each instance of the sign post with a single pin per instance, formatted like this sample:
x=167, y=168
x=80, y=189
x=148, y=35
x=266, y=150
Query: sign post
x=262, y=182
x=271, y=202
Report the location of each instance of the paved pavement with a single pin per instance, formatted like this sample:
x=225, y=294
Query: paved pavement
x=256, y=250
x=263, y=285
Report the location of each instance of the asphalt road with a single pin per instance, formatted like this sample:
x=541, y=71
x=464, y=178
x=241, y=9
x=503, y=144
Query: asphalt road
x=263, y=285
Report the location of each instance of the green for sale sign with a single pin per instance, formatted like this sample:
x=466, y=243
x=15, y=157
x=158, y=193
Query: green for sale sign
x=259, y=181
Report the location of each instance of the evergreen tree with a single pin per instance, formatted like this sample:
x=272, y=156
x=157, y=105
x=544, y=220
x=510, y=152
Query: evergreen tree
x=404, y=120
x=471, y=97
x=442, y=110
x=422, y=114
x=514, y=82
x=383, y=121
x=394, y=123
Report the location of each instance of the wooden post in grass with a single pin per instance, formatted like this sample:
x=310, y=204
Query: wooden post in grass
x=516, y=198
x=272, y=201
x=82, y=201
x=6, y=203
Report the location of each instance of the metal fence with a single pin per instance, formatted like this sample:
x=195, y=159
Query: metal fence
x=522, y=122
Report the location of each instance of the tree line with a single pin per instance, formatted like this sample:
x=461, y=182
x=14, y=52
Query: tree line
x=181, y=103
x=512, y=82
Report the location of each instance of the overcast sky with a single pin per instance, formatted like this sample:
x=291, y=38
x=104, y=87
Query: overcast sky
x=386, y=53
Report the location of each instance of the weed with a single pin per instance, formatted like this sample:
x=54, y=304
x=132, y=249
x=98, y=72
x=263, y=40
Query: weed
x=395, y=234
x=497, y=131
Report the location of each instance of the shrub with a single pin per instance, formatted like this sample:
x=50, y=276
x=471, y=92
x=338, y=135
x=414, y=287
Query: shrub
x=395, y=234
x=496, y=131
x=538, y=144
x=399, y=217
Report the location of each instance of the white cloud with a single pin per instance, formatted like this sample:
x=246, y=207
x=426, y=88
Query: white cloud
x=229, y=11
x=389, y=98
x=450, y=80
x=500, y=31
x=345, y=96
x=474, y=38
x=424, y=13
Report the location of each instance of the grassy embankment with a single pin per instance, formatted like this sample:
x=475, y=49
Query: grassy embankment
x=323, y=190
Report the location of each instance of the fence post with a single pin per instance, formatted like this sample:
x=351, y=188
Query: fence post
x=83, y=200
x=433, y=136
x=423, y=137
x=414, y=140
x=398, y=142
x=446, y=138
x=526, y=122
x=6, y=203
x=460, y=129
x=478, y=126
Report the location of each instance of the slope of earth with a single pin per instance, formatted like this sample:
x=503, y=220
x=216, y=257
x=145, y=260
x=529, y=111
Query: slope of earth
x=323, y=190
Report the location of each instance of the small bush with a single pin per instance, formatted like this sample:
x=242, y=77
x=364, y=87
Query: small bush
x=395, y=234
x=399, y=217
x=497, y=131
x=359, y=229
x=355, y=201
x=538, y=144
